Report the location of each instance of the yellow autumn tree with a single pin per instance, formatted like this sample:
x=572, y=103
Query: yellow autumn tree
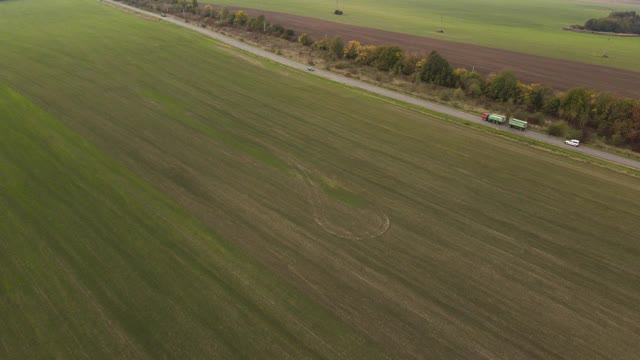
x=241, y=18
x=351, y=50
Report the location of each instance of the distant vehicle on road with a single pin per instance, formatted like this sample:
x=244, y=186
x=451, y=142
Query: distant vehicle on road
x=163, y=14
x=573, y=142
x=501, y=119
x=311, y=69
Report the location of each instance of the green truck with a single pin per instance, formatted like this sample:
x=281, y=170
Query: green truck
x=501, y=119
x=494, y=118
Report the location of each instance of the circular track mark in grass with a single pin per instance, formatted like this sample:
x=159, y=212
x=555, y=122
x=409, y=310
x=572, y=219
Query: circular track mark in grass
x=352, y=224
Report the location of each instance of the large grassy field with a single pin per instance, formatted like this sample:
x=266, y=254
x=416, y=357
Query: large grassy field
x=97, y=264
x=162, y=195
x=533, y=27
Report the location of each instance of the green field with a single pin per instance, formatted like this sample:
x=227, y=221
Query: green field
x=533, y=27
x=164, y=196
x=97, y=264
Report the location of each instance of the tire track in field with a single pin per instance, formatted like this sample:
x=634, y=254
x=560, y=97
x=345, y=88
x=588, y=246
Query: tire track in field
x=319, y=204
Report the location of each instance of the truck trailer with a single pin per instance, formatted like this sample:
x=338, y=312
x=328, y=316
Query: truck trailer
x=518, y=124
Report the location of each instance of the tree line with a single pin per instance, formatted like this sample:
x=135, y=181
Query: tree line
x=627, y=22
x=611, y=117
x=586, y=112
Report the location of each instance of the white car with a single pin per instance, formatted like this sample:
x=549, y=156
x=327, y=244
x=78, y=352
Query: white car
x=572, y=142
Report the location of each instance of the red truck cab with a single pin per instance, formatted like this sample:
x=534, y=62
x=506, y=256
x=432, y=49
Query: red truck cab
x=485, y=116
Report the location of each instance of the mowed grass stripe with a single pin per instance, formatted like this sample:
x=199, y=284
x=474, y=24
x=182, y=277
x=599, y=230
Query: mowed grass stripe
x=97, y=264
x=495, y=249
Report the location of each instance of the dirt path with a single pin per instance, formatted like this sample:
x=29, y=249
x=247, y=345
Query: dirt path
x=560, y=74
x=383, y=92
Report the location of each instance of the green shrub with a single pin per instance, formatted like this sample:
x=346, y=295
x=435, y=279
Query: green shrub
x=616, y=22
x=503, y=87
x=458, y=94
x=257, y=24
x=437, y=71
x=474, y=88
x=616, y=139
x=305, y=39
x=536, y=118
x=367, y=55
x=225, y=17
x=277, y=29
x=445, y=96
x=537, y=97
x=552, y=106
x=240, y=18
x=586, y=135
x=576, y=134
x=336, y=47
x=576, y=105
x=558, y=128
x=408, y=65
x=208, y=11
x=388, y=57
x=521, y=115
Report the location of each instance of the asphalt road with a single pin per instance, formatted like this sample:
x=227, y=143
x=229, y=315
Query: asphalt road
x=385, y=92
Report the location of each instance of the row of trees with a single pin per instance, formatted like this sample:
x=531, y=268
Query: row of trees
x=613, y=118
x=610, y=117
x=210, y=16
x=627, y=22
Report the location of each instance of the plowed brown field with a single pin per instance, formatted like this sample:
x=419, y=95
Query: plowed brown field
x=561, y=74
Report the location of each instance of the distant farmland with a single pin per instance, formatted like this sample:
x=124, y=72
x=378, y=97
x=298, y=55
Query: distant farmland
x=166, y=196
x=532, y=27
x=558, y=73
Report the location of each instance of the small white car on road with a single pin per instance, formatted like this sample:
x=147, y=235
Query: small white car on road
x=572, y=142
